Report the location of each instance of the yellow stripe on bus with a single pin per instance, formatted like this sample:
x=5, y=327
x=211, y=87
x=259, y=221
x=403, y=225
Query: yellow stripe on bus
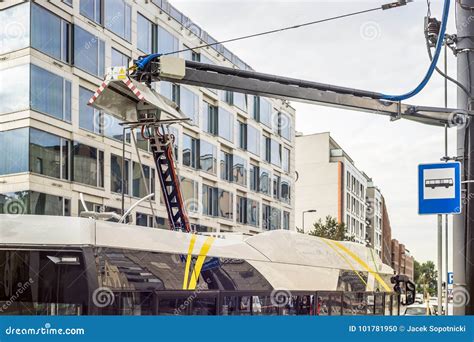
x=188, y=261
x=364, y=265
x=200, y=261
x=328, y=242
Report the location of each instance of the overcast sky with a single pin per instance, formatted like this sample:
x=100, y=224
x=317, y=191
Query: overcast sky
x=383, y=51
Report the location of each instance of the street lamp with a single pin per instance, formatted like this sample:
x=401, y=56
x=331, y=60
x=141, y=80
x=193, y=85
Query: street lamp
x=308, y=211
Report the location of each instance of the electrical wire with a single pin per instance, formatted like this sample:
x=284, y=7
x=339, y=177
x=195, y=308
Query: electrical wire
x=434, y=61
x=144, y=60
x=430, y=55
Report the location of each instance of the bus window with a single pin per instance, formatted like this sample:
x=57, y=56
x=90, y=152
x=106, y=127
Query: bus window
x=323, y=305
x=236, y=306
x=172, y=306
x=204, y=306
x=395, y=308
x=265, y=306
x=379, y=309
x=388, y=305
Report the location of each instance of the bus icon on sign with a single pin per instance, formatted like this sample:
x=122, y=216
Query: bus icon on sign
x=439, y=183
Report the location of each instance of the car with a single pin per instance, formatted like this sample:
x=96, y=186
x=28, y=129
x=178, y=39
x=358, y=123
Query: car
x=419, y=298
x=420, y=310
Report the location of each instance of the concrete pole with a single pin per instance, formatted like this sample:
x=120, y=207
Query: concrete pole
x=463, y=225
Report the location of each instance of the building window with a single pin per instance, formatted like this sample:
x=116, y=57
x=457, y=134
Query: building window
x=88, y=165
x=49, y=154
x=285, y=158
x=285, y=192
x=266, y=216
x=275, y=219
x=226, y=124
x=89, y=52
x=92, y=9
x=189, y=151
x=207, y=157
x=226, y=204
x=253, y=140
x=118, y=17
x=138, y=181
x=284, y=125
x=166, y=41
x=263, y=111
x=267, y=148
x=276, y=186
x=239, y=170
x=50, y=94
x=145, y=34
x=209, y=200
x=265, y=182
x=119, y=59
x=286, y=220
x=116, y=175
x=89, y=117
x=189, y=190
x=35, y=203
x=189, y=104
x=253, y=213
x=241, y=212
x=275, y=151
x=14, y=156
x=240, y=101
x=254, y=177
x=50, y=34
x=242, y=135
x=15, y=16
x=226, y=166
x=190, y=55
x=247, y=211
x=210, y=118
x=112, y=128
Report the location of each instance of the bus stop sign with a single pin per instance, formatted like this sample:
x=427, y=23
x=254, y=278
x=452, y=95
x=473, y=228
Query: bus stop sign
x=439, y=188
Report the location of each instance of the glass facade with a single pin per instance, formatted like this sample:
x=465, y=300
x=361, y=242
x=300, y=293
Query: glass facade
x=88, y=165
x=89, y=117
x=145, y=34
x=166, y=41
x=207, y=157
x=34, y=203
x=116, y=175
x=226, y=124
x=118, y=18
x=89, y=52
x=51, y=34
x=15, y=28
x=50, y=94
x=92, y=9
x=49, y=154
x=14, y=156
x=54, y=90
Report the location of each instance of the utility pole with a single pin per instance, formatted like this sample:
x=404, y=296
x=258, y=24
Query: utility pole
x=463, y=228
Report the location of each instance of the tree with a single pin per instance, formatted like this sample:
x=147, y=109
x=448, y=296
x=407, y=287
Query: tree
x=331, y=229
x=426, y=277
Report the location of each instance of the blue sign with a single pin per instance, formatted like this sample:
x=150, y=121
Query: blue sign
x=450, y=278
x=439, y=188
